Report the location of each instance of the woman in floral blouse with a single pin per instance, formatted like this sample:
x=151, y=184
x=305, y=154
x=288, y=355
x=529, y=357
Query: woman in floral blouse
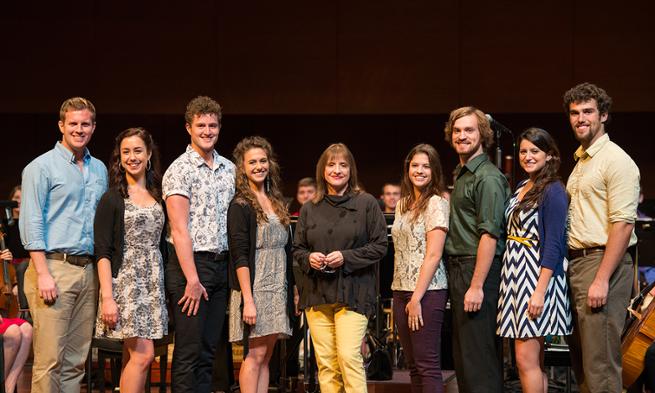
x=419, y=281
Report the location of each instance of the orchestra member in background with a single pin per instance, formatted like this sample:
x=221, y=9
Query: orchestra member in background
x=305, y=192
x=17, y=340
x=419, y=280
x=60, y=191
x=534, y=300
x=341, y=234
x=128, y=229
x=604, y=190
x=474, y=247
x=263, y=285
x=390, y=197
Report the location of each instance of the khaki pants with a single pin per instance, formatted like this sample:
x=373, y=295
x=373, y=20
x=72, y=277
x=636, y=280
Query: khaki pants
x=63, y=330
x=596, y=340
x=337, y=335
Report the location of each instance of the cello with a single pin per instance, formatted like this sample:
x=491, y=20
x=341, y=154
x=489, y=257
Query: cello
x=8, y=301
x=638, y=335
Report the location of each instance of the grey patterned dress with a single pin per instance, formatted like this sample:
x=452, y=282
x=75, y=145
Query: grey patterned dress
x=138, y=289
x=269, y=287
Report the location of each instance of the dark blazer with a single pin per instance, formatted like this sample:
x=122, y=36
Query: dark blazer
x=109, y=230
x=242, y=237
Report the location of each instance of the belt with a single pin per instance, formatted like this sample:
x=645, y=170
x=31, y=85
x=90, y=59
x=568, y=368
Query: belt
x=216, y=256
x=77, y=260
x=583, y=252
x=461, y=258
x=523, y=240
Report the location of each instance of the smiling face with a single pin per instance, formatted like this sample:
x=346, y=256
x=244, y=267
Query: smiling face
x=420, y=173
x=337, y=174
x=466, y=137
x=256, y=167
x=134, y=156
x=587, y=122
x=531, y=158
x=77, y=129
x=204, y=130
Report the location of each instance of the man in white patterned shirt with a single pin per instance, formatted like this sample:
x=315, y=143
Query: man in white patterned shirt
x=198, y=187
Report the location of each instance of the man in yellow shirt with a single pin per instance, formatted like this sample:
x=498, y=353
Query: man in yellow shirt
x=604, y=189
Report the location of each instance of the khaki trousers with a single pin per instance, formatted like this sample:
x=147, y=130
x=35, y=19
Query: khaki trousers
x=595, y=344
x=63, y=330
x=337, y=335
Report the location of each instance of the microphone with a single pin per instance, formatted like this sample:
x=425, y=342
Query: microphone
x=8, y=206
x=498, y=126
x=10, y=216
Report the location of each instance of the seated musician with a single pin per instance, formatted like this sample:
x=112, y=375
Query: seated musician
x=17, y=336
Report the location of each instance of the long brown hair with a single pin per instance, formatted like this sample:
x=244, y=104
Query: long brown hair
x=244, y=193
x=548, y=174
x=436, y=186
x=153, y=172
x=334, y=150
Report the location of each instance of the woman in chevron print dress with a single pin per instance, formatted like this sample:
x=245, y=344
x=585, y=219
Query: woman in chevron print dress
x=533, y=301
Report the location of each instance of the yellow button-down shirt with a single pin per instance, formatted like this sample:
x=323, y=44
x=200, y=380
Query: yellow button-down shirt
x=604, y=188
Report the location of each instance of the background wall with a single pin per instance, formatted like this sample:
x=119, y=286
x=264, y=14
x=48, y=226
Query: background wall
x=380, y=76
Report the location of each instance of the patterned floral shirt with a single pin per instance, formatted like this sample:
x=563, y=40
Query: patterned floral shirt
x=410, y=240
x=209, y=191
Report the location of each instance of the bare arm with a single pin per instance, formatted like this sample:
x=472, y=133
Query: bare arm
x=537, y=300
x=177, y=207
x=433, y=251
x=485, y=256
x=109, y=308
x=617, y=243
x=249, y=309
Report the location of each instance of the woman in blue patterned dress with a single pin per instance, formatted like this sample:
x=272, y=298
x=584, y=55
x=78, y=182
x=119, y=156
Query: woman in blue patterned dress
x=128, y=229
x=533, y=301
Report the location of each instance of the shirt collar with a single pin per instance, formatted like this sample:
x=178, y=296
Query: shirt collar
x=473, y=164
x=69, y=155
x=199, y=161
x=593, y=149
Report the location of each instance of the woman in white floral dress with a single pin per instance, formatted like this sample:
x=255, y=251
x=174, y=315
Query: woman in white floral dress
x=419, y=279
x=128, y=231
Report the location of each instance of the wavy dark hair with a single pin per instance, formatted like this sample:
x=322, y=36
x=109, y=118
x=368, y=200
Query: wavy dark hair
x=548, y=174
x=244, y=194
x=153, y=174
x=332, y=151
x=408, y=201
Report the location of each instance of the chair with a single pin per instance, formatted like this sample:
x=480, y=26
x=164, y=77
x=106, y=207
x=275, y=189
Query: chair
x=112, y=349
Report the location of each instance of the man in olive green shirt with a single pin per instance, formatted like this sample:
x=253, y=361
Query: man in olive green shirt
x=604, y=191
x=474, y=247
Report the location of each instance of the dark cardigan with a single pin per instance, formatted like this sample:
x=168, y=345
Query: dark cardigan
x=354, y=225
x=109, y=230
x=242, y=236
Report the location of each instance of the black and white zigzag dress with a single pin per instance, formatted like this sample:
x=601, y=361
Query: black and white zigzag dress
x=520, y=273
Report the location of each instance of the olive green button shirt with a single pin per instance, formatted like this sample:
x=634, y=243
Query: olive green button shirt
x=477, y=206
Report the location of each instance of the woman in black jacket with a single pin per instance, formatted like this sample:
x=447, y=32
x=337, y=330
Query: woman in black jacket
x=128, y=230
x=340, y=236
x=261, y=265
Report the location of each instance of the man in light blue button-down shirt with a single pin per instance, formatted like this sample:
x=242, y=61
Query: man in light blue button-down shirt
x=61, y=189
